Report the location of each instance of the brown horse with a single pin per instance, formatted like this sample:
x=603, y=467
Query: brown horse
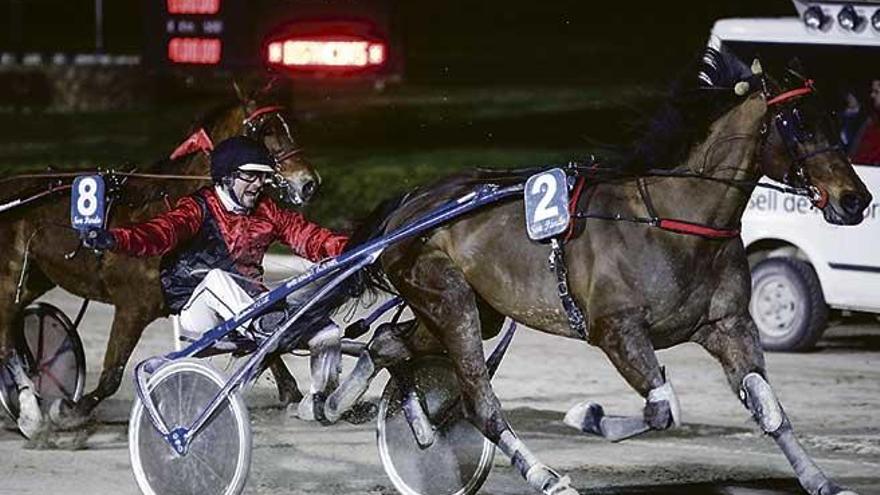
x=640, y=286
x=37, y=232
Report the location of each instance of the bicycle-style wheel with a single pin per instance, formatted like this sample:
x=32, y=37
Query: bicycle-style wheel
x=52, y=354
x=218, y=458
x=458, y=460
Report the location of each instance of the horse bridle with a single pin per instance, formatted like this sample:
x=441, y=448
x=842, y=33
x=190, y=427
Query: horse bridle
x=788, y=122
x=253, y=124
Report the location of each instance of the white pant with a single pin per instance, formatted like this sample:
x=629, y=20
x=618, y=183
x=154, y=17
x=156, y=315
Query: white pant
x=216, y=299
x=219, y=298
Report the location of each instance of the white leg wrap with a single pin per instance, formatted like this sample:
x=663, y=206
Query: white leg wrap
x=762, y=402
x=326, y=359
x=667, y=393
x=351, y=389
x=30, y=416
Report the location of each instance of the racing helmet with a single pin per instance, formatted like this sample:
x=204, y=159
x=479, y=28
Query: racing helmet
x=240, y=153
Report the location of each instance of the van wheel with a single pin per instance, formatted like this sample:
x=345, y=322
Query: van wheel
x=787, y=304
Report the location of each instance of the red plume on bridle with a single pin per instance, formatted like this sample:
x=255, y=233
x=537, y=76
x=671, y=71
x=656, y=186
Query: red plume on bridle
x=197, y=141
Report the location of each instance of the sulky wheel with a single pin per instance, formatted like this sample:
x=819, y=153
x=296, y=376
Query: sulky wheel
x=458, y=460
x=218, y=459
x=53, y=355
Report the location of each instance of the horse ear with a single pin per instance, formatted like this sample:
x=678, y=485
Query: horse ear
x=245, y=99
x=757, y=69
x=742, y=88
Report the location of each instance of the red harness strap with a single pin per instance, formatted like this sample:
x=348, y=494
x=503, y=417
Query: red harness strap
x=791, y=94
x=262, y=111
x=684, y=227
x=572, y=206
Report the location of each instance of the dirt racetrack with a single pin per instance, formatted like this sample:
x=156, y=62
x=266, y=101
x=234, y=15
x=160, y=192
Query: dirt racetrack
x=832, y=397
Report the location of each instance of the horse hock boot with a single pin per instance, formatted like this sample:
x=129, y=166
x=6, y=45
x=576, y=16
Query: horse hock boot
x=30, y=417
x=538, y=475
x=757, y=395
x=325, y=366
x=662, y=411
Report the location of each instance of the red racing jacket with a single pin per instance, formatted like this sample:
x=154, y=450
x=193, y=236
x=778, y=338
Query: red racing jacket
x=199, y=234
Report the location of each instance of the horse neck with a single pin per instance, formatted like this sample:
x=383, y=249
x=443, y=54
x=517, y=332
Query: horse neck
x=730, y=153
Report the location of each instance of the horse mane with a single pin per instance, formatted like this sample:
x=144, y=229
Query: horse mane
x=701, y=94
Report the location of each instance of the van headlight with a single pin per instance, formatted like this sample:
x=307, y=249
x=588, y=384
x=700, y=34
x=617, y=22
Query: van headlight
x=875, y=20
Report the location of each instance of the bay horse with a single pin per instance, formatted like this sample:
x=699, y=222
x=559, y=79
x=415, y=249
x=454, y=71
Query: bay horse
x=37, y=232
x=642, y=281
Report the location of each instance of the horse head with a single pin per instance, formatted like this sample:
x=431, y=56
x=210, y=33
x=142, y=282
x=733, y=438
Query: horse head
x=802, y=150
x=296, y=179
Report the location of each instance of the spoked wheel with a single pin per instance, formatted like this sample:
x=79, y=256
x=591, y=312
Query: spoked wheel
x=53, y=356
x=458, y=460
x=219, y=457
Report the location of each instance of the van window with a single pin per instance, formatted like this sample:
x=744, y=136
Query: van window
x=848, y=77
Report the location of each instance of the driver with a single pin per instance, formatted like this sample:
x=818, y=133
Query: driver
x=212, y=245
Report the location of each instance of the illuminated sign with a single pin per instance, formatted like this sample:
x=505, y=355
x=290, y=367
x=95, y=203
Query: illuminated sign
x=195, y=50
x=323, y=53
x=193, y=7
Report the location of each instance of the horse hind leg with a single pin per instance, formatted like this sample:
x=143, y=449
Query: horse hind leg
x=735, y=343
x=625, y=341
x=128, y=326
x=30, y=418
x=442, y=299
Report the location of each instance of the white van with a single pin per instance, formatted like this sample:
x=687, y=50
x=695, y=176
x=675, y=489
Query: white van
x=802, y=265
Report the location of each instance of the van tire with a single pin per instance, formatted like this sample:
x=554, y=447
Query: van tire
x=787, y=304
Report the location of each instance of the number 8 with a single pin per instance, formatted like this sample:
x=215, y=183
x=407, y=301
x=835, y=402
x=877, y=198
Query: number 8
x=87, y=202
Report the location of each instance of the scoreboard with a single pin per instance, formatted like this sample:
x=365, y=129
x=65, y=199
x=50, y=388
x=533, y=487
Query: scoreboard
x=194, y=32
x=300, y=37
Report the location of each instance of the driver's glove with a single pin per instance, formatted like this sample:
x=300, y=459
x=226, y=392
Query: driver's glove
x=99, y=240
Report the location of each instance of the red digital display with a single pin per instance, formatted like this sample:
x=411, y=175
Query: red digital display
x=195, y=50
x=326, y=53
x=193, y=7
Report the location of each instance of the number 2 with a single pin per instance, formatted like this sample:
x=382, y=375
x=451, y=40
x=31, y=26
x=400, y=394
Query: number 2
x=545, y=185
x=87, y=201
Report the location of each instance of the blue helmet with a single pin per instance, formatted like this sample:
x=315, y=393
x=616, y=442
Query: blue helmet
x=240, y=153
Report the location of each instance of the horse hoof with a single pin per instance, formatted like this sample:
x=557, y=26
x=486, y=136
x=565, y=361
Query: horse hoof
x=289, y=395
x=561, y=487
x=585, y=417
x=361, y=413
x=30, y=417
x=305, y=410
x=64, y=415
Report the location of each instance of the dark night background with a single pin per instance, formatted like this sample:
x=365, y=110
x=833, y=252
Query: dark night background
x=485, y=83
x=451, y=40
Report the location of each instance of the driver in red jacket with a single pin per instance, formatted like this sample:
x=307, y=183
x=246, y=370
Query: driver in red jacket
x=212, y=245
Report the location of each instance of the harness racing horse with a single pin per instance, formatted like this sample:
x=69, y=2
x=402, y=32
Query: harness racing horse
x=659, y=263
x=33, y=236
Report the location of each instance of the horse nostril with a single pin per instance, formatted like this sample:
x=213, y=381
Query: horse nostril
x=308, y=189
x=851, y=203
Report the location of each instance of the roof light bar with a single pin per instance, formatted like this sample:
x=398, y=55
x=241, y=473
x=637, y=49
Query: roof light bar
x=849, y=19
x=814, y=18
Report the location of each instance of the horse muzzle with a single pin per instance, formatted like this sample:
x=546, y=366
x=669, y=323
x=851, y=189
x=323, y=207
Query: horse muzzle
x=848, y=208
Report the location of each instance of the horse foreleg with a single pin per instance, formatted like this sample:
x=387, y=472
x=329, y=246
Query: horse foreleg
x=624, y=339
x=389, y=347
x=288, y=391
x=734, y=342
